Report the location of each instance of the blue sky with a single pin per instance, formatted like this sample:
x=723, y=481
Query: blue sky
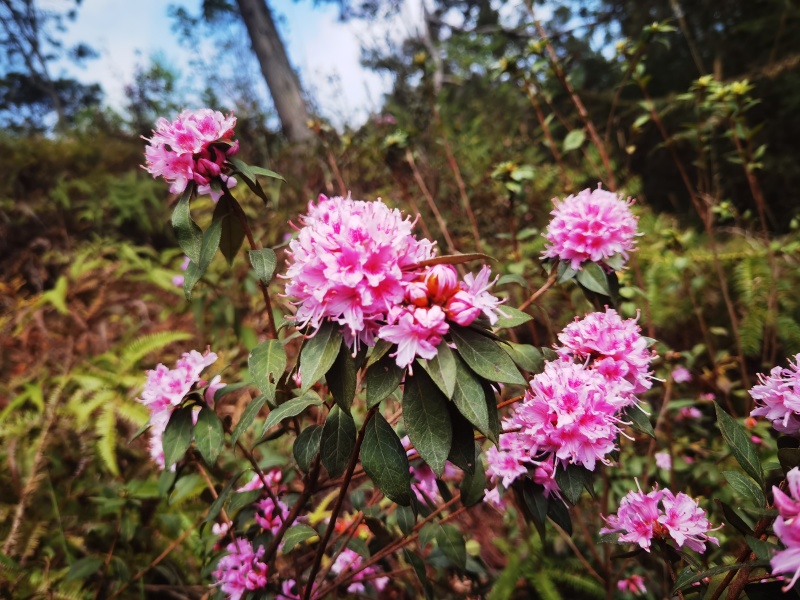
x=127, y=33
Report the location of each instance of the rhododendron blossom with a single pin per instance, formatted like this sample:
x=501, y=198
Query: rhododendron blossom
x=787, y=528
x=593, y=225
x=194, y=147
x=166, y=388
x=777, y=397
x=350, y=560
x=241, y=570
x=268, y=517
x=660, y=514
x=633, y=584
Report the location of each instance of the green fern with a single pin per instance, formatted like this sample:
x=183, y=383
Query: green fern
x=587, y=586
x=137, y=350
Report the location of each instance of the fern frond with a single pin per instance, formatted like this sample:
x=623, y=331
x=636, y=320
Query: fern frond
x=106, y=429
x=132, y=411
x=137, y=350
x=543, y=584
x=587, y=586
x=34, y=538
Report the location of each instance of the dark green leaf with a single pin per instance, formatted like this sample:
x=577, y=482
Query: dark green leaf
x=537, y=504
x=470, y=399
x=419, y=568
x=208, y=248
x=733, y=518
x=639, y=420
x=513, y=278
x=745, y=488
x=218, y=503
x=296, y=534
x=485, y=356
x=229, y=389
x=177, y=436
x=290, y=408
x=165, y=482
x=565, y=272
x=494, y=415
x=559, y=514
x=473, y=485
x=263, y=262
x=789, y=458
x=383, y=377
x=427, y=534
x=306, y=446
x=187, y=486
x=593, y=278
x=515, y=317
x=406, y=519
x=462, y=450
x=341, y=378
x=684, y=581
x=209, y=436
x=571, y=481
x=266, y=364
x=249, y=415
x=319, y=353
x=385, y=462
x=762, y=550
x=84, y=568
x=337, y=442
x=442, y=369
x=526, y=357
x=232, y=233
x=743, y=450
x=190, y=236
x=242, y=499
x=452, y=544
x=427, y=420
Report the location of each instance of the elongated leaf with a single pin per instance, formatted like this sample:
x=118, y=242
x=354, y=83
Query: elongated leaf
x=640, y=421
x=208, y=248
x=290, y=408
x=473, y=485
x=514, y=318
x=219, y=502
x=249, y=415
x=574, y=140
x=190, y=236
x=462, y=450
x=442, y=369
x=452, y=544
x=266, y=363
x=427, y=420
x=209, y=435
x=380, y=350
x=232, y=234
x=319, y=353
x=263, y=262
x=470, y=400
x=337, y=442
x=743, y=450
x=84, y=568
x=406, y=519
x=593, y=278
x=686, y=578
x=419, y=568
x=571, y=481
x=485, y=356
x=559, y=514
x=537, y=504
x=177, y=436
x=494, y=415
x=383, y=377
x=306, y=446
x=526, y=357
x=745, y=488
x=385, y=462
x=296, y=534
x=342, y=378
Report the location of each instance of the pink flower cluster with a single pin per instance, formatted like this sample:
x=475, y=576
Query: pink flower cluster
x=350, y=560
x=165, y=389
x=355, y=263
x=241, y=570
x=593, y=225
x=777, y=397
x=787, y=528
x=194, y=147
x=633, y=584
x=660, y=514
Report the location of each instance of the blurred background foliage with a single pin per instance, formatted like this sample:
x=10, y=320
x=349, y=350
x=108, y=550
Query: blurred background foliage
x=482, y=113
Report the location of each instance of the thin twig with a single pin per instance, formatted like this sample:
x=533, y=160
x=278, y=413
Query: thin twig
x=547, y=285
x=451, y=247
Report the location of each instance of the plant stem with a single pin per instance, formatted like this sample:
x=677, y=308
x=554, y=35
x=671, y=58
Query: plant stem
x=451, y=247
x=547, y=285
x=252, y=460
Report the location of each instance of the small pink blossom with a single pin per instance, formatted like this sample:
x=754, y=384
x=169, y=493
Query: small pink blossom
x=787, y=528
x=349, y=560
x=633, y=584
x=416, y=332
x=689, y=413
x=686, y=521
x=268, y=517
x=220, y=529
x=178, y=279
x=777, y=397
x=681, y=374
x=272, y=477
x=663, y=460
x=241, y=570
x=594, y=225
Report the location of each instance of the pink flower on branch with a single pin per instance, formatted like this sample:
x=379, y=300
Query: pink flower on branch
x=787, y=528
x=777, y=397
x=241, y=570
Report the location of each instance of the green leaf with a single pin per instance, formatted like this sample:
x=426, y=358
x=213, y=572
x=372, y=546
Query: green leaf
x=84, y=568
x=290, y=408
x=565, y=272
x=485, y=356
x=427, y=420
x=406, y=519
x=342, y=378
x=513, y=278
x=165, y=482
x=196, y=270
x=186, y=487
x=762, y=550
x=559, y=514
x=491, y=408
x=383, y=377
x=515, y=317
x=639, y=420
x=306, y=446
x=209, y=435
x=337, y=442
x=453, y=259
x=526, y=357
x=743, y=450
x=296, y=534
x=319, y=353
x=385, y=462
x=571, y=481
x=593, y=278
x=419, y=568
x=789, y=458
x=218, y=503
x=266, y=364
x=470, y=399
x=452, y=544
x=462, y=450
x=190, y=236
x=378, y=352
x=537, y=504
x=473, y=485
x=574, y=140
x=685, y=580
x=442, y=369
x=249, y=415
x=263, y=262
x=177, y=436
x=241, y=499
x=745, y=488
x=232, y=234
x=249, y=172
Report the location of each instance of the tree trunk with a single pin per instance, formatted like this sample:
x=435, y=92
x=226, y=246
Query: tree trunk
x=282, y=81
